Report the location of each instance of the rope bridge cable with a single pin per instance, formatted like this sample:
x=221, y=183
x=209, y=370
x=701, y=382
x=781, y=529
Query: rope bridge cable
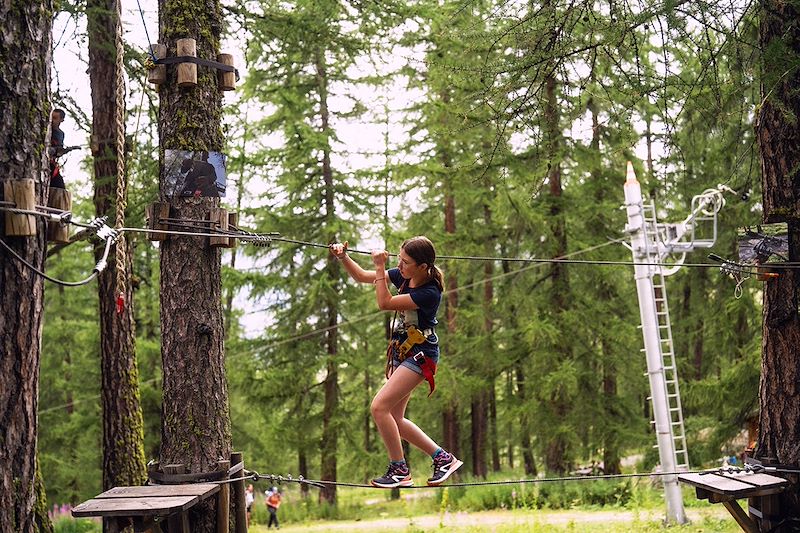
x=320, y=483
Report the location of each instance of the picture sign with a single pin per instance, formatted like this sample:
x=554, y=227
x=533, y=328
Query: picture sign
x=194, y=174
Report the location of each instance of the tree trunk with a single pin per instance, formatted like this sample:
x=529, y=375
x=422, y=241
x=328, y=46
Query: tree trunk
x=195, y=424
x=330, y=432
x=493, y=433
x=479, y=431
x=525, y=435
x=556, y=446
x=450, y=424
x=24, y=100
x=123, y=436
x=778, y=134
x=481, y=399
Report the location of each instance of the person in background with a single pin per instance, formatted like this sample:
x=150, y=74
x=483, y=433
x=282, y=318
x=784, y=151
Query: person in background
x=249, y=498
x=56, y=149
x=273, y=501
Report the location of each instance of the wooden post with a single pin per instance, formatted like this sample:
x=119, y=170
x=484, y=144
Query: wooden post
x=239, y=500
x=224, y=500
x=156, y=212
x=227, y=80
x=219, y=217
x=158, y=74
x=58, y=232
x=23, y=194
x=187, y=72
x=177, y=521
x=233, y=221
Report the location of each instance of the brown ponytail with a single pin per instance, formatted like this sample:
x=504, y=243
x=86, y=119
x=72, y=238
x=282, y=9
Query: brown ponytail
x=421, y=250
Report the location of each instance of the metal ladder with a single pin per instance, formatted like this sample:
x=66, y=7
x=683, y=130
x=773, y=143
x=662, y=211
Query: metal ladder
x=654, y=235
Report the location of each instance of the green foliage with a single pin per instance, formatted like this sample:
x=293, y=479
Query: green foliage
x=555, y=348
x=70, y=525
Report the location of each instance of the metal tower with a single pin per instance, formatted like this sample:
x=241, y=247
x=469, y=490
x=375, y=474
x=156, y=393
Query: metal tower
x=651, y=244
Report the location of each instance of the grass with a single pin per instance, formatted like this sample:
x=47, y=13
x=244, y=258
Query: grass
x=597, y=506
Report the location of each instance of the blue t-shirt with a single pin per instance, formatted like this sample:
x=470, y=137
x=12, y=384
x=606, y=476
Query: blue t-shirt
x=427, y=297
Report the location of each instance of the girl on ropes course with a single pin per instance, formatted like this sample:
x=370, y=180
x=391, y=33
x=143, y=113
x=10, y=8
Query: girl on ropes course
x=412, y=354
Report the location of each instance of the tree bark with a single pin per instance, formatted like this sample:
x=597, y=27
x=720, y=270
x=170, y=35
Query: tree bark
x=525, y=435
x=778, y=133
x=556, y=446
x=123, y=434
x=450, y=424
x=195, y=425
x=24, y=116
x=330, y=432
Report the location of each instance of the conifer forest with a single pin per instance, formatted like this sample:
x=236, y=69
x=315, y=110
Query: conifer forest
x=501, y=130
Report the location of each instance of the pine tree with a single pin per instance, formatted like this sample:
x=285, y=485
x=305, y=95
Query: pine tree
x=195, y=425
x=123, y=439
x=24, y=97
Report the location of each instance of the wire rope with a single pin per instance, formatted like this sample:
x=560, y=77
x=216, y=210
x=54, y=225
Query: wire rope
x=320, y=483
x=95, y=272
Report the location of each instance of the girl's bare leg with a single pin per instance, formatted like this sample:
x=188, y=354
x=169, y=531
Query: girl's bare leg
x=390, y=401
x=409, y=431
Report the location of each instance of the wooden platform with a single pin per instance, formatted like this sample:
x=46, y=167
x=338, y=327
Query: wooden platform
x=726, y=488
x=144, y=507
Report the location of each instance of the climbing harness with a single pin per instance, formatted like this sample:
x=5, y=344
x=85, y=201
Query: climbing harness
x=401, y=350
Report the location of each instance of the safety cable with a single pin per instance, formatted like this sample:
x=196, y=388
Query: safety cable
x=265, y=239
x=320, y=483
x=99, y=267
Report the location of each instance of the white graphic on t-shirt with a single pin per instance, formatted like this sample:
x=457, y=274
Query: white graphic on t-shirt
x=409, y=317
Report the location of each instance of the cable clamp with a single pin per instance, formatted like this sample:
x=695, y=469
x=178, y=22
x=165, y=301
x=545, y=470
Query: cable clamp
x=107, y=233
x=263, y=241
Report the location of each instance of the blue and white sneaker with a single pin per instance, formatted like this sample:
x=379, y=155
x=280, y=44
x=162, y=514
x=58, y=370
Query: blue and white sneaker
x=396, y=476
x=444, y=464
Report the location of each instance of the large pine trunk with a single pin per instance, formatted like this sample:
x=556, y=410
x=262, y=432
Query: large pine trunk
x=330, y=431
x=123, y=438
x=778, y=133
x=24, y=116
x=195, y=424
x=556, y=446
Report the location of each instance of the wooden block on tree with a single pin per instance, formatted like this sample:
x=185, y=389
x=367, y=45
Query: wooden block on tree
x=157, y=212
x=23, y=194
x=158, y=74
x=219, y=219
x=187, y=72
x=233, y=221
x=58, y=232
x=227, y=80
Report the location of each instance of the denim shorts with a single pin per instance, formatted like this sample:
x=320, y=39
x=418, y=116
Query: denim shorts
x=429, y=348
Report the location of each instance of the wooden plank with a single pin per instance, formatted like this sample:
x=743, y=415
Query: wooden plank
x=134, y=506
x=204, y=490
x=736, y=485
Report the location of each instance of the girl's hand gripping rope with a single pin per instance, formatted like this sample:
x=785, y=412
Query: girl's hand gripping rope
x=339, y=250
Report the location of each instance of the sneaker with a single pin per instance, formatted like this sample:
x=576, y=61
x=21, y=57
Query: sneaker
x=443, y=465
x=396, y=476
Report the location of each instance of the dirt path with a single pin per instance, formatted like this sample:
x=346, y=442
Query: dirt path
x=488, y=519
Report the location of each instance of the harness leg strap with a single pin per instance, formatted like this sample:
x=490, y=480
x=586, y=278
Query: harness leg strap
x=428, y=371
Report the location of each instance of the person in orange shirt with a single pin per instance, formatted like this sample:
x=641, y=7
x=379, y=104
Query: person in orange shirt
x=273, y=502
